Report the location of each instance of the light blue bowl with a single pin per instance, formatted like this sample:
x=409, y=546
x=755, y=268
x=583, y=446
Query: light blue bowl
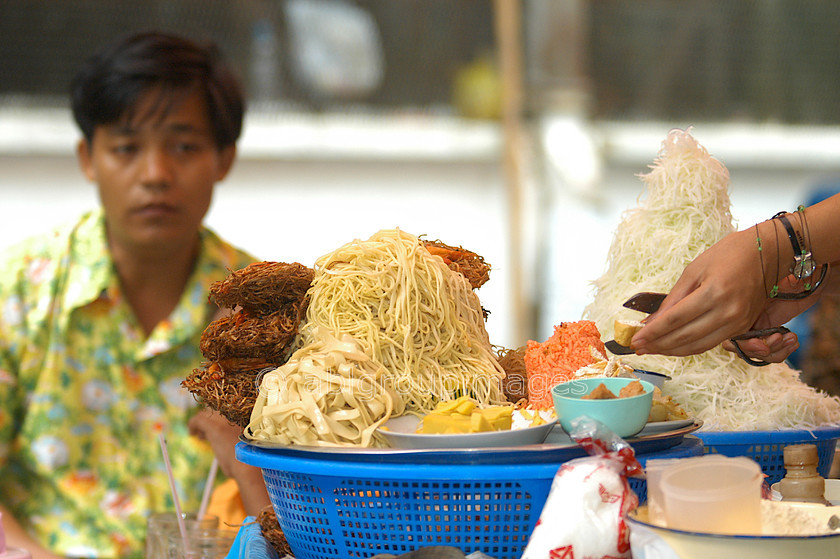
x=623, y=416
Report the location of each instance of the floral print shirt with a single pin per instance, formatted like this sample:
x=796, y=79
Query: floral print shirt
x=84, y=394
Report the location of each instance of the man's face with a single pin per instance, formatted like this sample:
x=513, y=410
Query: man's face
x=156, y=175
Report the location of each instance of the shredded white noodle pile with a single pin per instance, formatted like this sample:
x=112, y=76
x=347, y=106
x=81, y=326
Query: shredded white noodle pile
x=687, y=210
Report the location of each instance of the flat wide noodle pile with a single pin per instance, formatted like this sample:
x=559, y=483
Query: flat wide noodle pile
x=409, y=313
x=328, y=394
x=686, y=212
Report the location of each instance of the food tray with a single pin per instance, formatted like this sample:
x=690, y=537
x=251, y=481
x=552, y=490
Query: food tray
x=767, y=447
x=362, y=502
x=557, y=449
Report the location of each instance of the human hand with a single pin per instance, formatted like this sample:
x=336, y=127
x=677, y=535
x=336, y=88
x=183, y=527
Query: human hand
x=719, y=295
x=16, y=536
x=774, y=348
x=221, y=434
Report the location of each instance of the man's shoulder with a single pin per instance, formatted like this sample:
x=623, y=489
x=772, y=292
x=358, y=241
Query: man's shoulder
x=46, y=250
x=222, y=253
x=42, y=245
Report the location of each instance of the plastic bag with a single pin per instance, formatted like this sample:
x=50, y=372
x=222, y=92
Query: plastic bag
x=583, y=517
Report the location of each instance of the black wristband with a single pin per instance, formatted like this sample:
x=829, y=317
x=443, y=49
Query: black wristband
x=803, y=265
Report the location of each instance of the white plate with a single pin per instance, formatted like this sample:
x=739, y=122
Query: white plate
x=664, y=426
x=400, y=433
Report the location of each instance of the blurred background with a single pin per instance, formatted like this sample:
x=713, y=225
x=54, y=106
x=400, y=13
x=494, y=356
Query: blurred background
x=515, y=128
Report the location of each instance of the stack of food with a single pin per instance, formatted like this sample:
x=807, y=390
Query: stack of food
x=264, y=305
x=379, y=328
x=687, y=210
x=392, y=326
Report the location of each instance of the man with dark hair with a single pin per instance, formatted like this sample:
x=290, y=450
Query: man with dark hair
x=100, y=320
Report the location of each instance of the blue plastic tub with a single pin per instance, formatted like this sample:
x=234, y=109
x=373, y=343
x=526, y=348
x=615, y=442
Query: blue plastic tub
x=330, y=506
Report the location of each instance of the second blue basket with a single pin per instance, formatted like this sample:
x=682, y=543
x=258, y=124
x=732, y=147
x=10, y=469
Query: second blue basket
x=767, y=447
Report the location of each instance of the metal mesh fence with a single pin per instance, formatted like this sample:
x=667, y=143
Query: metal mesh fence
x=641, y=59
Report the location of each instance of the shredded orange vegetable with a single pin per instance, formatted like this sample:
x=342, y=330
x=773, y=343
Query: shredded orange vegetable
x=556, y=360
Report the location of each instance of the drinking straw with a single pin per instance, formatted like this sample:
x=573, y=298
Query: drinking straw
x=208, y=486
x=181, y=525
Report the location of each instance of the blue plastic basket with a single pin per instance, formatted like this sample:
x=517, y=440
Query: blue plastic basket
x=767, y=447
x=332, y=507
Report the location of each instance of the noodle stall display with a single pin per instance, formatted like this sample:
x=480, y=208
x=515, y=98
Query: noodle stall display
x=322, y=366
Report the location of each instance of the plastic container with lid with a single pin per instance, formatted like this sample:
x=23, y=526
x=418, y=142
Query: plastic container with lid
x=10, y=552
x=712, y=493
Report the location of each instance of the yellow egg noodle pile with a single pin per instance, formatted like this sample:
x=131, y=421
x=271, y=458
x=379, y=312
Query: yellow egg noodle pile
x=420, y=325
x=686, y=211
x=412, y=314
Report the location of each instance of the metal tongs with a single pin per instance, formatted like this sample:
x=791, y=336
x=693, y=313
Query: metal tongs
x=649, y=302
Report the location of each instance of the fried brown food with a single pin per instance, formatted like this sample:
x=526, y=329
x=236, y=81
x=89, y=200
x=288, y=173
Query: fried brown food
x=247, y=335
x=664, y=408
x=515, y=383
x=600, y=392
x=635, y=388
x=263, y=287
x=467, y=263
x=247, y=364
x=231, y=393
x=271, y=531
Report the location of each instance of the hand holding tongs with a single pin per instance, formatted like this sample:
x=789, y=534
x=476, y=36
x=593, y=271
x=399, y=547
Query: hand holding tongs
x=648, y=302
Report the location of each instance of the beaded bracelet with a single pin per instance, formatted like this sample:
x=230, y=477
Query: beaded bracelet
x=807, y=233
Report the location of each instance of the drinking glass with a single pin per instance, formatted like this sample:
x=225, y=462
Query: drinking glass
x=203, y=544
x=159, y=525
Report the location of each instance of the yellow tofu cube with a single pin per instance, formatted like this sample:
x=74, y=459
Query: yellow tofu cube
x=436, y=424
x=465, y=406
x=479, y=423
x=500, y=418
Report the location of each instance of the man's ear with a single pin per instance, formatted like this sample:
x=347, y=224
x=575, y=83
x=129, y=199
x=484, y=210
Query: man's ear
x=227, y=156
x=85, y=159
